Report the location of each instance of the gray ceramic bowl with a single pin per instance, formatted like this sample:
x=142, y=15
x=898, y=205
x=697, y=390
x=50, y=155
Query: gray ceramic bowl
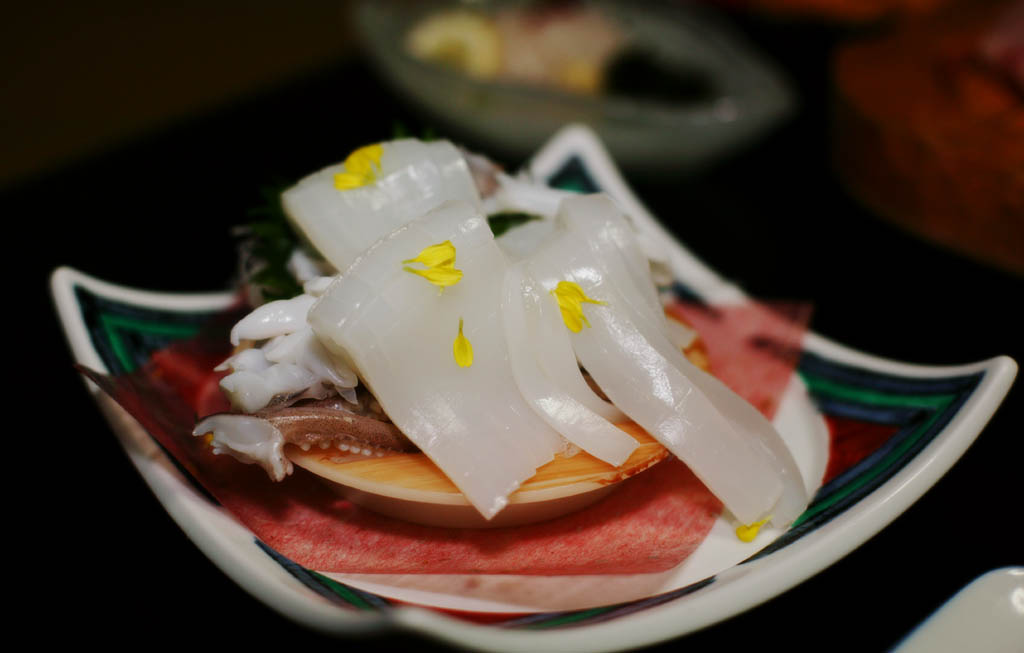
x=747, y=95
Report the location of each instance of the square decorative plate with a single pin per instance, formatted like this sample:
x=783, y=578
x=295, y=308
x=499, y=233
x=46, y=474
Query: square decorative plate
x=918, y=420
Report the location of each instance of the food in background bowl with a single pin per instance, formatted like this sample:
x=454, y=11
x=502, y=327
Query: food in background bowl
x=572, y=47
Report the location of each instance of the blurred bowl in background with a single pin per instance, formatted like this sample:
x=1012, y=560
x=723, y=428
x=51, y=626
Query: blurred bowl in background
x=929, y=129
x=667, y=88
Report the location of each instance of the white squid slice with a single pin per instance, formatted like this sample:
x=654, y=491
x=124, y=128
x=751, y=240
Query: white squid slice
x=249, y=440
x=303, y=267
x=597, y=220
x=518, y=195
x=640, y=250
x=302, y=348
x=288, y=367
x=277, y=318
x=519, y=242
x=414, y=178
x=399, y=331
x=681, y=336
x=559, y=361
x=316, y=286
x=249, y=390
x=730, y=446
x=251, y=359
x=564, y=413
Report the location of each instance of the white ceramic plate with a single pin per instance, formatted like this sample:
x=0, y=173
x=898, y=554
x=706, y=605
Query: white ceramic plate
x=932, y=413
x=986, y=616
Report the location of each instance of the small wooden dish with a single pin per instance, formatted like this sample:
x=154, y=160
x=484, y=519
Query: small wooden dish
x=412, y=488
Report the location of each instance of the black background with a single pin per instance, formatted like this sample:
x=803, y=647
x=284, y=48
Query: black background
x=103, y=562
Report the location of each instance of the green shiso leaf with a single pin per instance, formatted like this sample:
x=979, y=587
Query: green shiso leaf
x=268, y=243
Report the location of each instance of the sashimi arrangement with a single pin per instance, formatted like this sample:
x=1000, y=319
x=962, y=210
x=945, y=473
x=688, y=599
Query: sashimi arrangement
x=418, y=330
x=596, y=320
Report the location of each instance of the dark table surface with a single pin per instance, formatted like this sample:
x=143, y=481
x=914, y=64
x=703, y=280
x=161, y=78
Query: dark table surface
x=104, y=561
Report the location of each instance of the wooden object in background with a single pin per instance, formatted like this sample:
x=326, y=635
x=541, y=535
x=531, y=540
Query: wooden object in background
x=930, y=135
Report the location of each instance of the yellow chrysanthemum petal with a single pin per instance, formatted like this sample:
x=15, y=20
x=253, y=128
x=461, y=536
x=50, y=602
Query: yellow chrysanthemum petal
x=462, y=349
x=440, y=267
x=574, y=319
x=442, y=276
x=570, y=298
x=441, y=254
x=360, y=168
x=569, y=293
x=364, y=160
x=349, y=180
x=747, y=532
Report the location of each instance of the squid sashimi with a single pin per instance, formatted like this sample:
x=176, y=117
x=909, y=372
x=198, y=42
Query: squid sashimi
x=291, y=364
x=272, y=319
x=523, y=195
x=580, y=423
x=344, y=208
x=596, y=220
x=472, y=347
x=623, y=344
x=599, y=224
x=424, y=330
x=524, y=240
x=249, y=440
x=554, y=352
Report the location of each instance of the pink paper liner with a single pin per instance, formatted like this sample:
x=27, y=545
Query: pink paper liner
x=651, y=523
x=753, y=347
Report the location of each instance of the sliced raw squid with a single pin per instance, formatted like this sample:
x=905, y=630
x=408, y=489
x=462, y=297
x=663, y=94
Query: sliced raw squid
x=273, y=319
x=556, y=357
x=251, y=389
x=291, y=365
x=408, y=338
x=304, y=267
x=409, y=178
x=522, y=196
x=303, y=348
x=598, y=223
x=580, y=423
x=520, y=242
x=316, y=286
x=249, y=440
x=730, y=446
